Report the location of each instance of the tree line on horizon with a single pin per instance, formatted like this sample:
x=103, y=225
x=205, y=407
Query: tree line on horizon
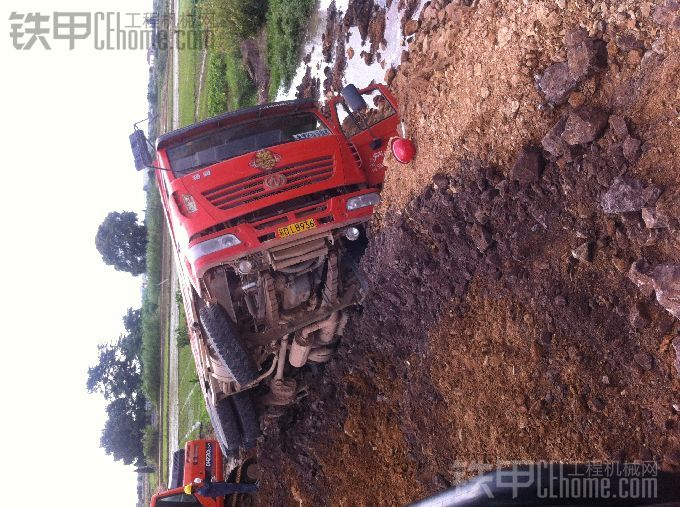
x=122, y=241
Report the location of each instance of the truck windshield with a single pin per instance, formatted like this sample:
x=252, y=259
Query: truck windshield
x=235, y=140
x=179, y=500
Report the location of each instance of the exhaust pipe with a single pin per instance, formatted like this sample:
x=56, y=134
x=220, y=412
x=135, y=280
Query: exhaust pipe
x=302, y=344
x=299, y=350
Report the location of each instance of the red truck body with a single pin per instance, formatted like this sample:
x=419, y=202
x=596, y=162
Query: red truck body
x=228, y=189
x=266, y=208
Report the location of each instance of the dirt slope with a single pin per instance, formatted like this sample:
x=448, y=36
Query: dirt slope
x=524, y=269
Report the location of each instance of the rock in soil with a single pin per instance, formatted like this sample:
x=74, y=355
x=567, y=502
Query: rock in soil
x=631, y=148
x=529, y=165
x=584, y=125
x=639, y=274
x=644, y=360
x=557, y=83
x=583, y=252
x=654, y=220
x=666, y=280
x=624, y=195
x=410, y=27
x=587, y=58
x=618, y=126
x=553, y=143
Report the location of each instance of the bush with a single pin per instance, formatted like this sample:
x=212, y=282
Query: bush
x=232, y=21
x=286, y=26
x=150, y=444
x=229, y=86
x=151, y=332
x=182, y=334
x=215, y=83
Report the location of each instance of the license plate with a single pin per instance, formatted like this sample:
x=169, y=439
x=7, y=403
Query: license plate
x=296, y=228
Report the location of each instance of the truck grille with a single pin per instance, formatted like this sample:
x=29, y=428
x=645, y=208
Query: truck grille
x=253, y=188
x=300, y=250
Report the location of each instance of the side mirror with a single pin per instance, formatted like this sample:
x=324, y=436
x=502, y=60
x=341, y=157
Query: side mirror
x=354, y=100
x=140, y=150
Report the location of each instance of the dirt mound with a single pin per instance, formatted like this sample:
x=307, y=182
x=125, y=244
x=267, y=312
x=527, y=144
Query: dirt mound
x=253, y=54
x=484, y=338
x=524, y=269
x=469, y=86
x=309, y=88
x=370, y=20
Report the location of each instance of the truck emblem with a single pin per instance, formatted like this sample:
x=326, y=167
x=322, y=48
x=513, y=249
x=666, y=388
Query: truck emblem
x=275, y=181
x=265, y=160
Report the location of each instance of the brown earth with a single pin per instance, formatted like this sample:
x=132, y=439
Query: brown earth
x=253, y=51
x=523, y=285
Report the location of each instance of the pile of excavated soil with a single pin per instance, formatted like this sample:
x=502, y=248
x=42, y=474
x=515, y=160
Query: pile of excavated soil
x=468, y=86
x=524, y=269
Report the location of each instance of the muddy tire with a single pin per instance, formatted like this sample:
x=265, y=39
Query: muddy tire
x=247, y=417
x=223, y=339
x=226, y=426
x=177, y=469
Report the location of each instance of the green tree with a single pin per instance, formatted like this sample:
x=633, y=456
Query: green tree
x=124, y=428
x=121, y=241
x=117, y=377
x=116, y=374
x=132, y=321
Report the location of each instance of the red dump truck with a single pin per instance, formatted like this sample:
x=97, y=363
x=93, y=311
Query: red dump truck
x=267, y=209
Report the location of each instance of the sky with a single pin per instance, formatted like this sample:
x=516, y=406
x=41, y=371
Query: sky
x=66, y=163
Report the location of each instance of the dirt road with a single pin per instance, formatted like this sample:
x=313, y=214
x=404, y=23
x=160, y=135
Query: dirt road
x=524, y=269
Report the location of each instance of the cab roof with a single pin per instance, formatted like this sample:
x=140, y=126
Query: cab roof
x=231, y=117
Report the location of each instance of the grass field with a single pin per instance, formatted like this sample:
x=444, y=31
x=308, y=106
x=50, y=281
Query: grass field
x=190, y=45
x=193, y=417
x=286, y=26
x=202, y=95
x=164, y=430
x=150, y=299
x=228, y=85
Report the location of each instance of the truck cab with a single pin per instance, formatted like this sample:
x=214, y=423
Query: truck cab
x=267, y=210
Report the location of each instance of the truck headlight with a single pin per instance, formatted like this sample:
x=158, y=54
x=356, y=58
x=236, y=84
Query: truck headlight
x=212, y=245
x=362, y=201
x=189, y=203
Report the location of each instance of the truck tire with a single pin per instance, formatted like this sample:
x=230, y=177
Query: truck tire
x=225, y=425
x=224, y=340
x=353, y=98
x=247, y=417
x=177, y=469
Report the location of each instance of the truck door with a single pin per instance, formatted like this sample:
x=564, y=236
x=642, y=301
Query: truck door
x=369, y=129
